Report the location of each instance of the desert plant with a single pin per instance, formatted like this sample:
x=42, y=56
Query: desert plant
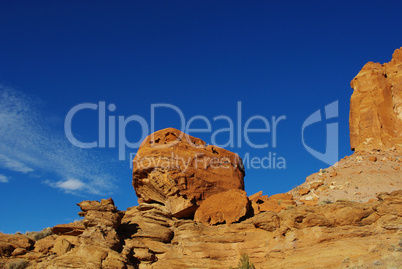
x=18, y=264
x=244, y=263
x=39, y=235
x=326, y=202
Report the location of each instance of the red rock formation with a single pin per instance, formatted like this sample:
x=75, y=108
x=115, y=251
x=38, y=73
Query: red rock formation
x=347, y=234
x=375, y=119
x=180, y=171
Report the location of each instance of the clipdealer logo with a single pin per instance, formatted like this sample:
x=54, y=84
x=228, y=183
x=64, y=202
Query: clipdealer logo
x=112, y=131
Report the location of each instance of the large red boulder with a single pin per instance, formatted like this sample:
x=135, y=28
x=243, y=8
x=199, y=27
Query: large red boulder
x=180, y=171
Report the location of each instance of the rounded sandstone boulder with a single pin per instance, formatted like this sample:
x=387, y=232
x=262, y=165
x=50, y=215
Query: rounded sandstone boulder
x=179, y=171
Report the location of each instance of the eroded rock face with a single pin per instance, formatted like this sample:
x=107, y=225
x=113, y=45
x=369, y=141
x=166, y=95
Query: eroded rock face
x=179, y=171
x=147, y=230
x=347, y=234
x=375, y=119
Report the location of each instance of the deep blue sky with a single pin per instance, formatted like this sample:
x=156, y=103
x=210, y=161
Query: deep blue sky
x=278, y=58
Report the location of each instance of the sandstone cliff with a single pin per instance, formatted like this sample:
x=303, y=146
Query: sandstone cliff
x=376, y=106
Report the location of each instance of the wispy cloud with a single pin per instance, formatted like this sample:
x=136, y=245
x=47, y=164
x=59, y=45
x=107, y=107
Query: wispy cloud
x=31, y=143
x=3, y=179
x=14, y=165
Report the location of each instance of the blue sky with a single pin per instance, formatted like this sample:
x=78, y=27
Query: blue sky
x=276, y=58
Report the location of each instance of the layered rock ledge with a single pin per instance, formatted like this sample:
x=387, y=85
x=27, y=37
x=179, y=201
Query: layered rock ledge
x=347, y=234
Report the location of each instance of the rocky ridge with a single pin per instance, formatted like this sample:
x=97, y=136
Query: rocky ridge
x=346, y=233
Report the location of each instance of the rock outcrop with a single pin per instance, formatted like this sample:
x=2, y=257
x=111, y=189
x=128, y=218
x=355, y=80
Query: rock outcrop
x=179, y=171
x=339, y=235
x=14, y=245
x=99, y=246
x=74, y=228
x=295, y=238
x=376, y=106
x=275, y=203
x=147, y=231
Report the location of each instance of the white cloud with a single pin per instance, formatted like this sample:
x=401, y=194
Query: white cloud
x=33, y=142
x=3, y=179
x=69, y=185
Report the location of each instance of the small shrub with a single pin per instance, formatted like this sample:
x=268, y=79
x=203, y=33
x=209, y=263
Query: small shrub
x=279, y=201
x=39, y=235
x=18, y=264
x=343, y=200
x=326, y=202
x=244, y=263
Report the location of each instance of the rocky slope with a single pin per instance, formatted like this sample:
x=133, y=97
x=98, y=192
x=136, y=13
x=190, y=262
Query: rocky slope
x=194, y=213
x=359, y=177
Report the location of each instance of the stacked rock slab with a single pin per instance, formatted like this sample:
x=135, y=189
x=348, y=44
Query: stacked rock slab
x=179, y=171
x=375, y=119
x=99, y=246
